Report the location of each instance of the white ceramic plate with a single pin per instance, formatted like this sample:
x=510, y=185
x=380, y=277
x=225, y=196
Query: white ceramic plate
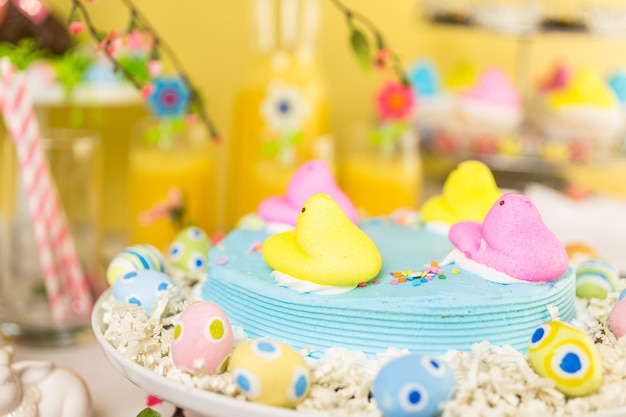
x=199, y=401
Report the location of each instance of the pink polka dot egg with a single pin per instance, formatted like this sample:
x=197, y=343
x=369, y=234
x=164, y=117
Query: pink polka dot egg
x=270, y=372
x=617, y=317
x=203, y=338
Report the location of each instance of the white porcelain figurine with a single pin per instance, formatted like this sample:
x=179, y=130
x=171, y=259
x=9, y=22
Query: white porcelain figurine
x=40, y=389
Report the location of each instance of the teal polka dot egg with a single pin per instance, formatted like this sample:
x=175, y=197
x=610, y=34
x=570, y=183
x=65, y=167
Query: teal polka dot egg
x=413, y=386
x=135, y=258
x=203, y=338
x=189, y=250
x=270, y=372
x=596, y=277
x=142, y=288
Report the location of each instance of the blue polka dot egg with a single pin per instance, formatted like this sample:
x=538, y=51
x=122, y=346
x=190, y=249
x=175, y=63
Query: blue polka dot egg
x=413, y=386
x=189, y=250
x=141, y=288
x=135, y=258
x=567, y=356
x=596, y=277
x=270, y=372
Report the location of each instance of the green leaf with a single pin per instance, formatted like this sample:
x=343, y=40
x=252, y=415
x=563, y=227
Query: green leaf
x=293, y=139
x=148, y=412
x=135, y=66
x=376, y=137
x=23, y=54
x=70, y=68
x=361, y=48
x=269, y=149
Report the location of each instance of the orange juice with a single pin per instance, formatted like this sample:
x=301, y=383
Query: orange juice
x=169, y=189
x=280, y=113
x=379, y=181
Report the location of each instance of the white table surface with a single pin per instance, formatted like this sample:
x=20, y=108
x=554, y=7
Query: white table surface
x=112, y=394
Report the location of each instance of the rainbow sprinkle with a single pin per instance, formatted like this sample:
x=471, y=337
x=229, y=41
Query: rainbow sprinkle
x=222, y=261
x=255, y=247
x=417, y=278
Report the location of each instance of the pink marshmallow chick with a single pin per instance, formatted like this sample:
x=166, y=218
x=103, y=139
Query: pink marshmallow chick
x=311, y=178
x=617, y=318
x=494, y=87
x=513, y=240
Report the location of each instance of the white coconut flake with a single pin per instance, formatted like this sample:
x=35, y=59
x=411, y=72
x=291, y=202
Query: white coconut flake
x=491, y=380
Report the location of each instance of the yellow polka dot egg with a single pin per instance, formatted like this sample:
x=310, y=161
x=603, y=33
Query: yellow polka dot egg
x=270, y=372
x=567, y=356
x=203, y=339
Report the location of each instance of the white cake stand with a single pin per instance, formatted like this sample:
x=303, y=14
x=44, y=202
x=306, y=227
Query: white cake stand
x=204, y=403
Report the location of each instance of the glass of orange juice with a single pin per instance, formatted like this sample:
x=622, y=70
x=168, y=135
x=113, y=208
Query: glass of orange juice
x=280, y=115
x=380, y=179
x=171, y=182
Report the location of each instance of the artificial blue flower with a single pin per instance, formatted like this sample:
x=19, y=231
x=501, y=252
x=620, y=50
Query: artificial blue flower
x=170, y=97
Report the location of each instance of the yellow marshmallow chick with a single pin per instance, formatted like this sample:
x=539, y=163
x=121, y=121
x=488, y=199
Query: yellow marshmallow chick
x=325, y=248
x=468, y=193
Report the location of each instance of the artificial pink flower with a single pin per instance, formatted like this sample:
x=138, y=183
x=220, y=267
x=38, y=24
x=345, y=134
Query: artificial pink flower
x=382, y=56
x=174, y=201
x=146, y=91
x=76, y=28
x=155, y=68
x=395, y=101
x=152, y=400
x=191, y=118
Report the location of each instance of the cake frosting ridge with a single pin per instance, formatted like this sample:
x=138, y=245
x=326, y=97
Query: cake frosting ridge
x=423, y=312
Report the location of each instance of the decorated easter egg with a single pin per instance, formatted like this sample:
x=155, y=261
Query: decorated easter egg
x=567, y=356
x=189, y=251
x=617, y=317
x=270, y=372
x=578, y=252
x=135, y=258
x=413, y=386
x=141, y=288
x=596, y=277
x=203, y=338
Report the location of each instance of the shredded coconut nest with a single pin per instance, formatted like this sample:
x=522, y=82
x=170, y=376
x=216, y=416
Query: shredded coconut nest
x=491, y=380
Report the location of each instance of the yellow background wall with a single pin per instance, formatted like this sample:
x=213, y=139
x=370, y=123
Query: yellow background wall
x=215, y=41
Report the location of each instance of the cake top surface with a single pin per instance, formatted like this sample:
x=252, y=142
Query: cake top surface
x=410, y=254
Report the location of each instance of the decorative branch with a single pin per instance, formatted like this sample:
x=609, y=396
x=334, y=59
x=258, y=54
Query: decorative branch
x=79, y=12
x=361, y=46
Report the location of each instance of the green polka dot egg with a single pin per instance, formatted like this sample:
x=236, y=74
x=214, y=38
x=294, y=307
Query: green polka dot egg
x=203, y=338
x=189, y=250
x=270, y=372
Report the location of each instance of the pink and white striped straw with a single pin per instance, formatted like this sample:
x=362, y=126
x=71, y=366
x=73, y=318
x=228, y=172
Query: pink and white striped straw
x=60, y=264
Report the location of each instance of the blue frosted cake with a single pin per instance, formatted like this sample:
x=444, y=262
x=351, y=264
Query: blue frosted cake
x=411, y=303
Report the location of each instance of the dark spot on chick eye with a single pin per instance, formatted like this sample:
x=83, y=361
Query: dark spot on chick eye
x=501, y=202
x=303, y=209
